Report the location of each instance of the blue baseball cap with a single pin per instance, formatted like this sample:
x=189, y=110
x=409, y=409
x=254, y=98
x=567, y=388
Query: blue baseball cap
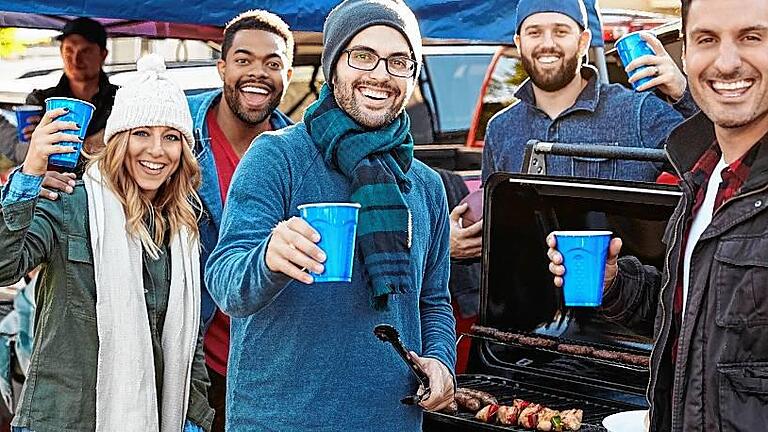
x=573, y=9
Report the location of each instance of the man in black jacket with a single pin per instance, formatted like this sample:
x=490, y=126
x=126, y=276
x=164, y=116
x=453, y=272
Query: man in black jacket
x=708, y=309
x=83, y=51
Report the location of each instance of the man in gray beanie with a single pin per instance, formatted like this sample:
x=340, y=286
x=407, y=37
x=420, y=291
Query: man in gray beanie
x=305, y=347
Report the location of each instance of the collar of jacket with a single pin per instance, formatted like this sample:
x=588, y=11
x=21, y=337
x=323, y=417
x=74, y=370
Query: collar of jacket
x=587, y=100
x=694, y=136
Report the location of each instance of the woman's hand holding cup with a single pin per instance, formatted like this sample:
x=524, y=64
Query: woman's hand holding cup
x=45, y=139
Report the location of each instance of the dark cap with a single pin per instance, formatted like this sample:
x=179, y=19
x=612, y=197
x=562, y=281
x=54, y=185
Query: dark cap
x=573, y=9
x=87, y=28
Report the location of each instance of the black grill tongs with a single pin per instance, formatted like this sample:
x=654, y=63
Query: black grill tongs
x=387, y=333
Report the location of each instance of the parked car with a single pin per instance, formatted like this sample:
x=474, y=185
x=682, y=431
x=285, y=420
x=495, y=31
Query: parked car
x=618, y=22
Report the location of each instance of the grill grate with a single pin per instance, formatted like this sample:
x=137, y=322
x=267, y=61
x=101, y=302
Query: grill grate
x=507, y=390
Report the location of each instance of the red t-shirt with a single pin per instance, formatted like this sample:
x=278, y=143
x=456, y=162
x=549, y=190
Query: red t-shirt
x=216, y=341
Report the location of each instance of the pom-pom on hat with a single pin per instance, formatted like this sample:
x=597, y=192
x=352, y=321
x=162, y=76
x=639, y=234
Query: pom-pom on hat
x=150, y=99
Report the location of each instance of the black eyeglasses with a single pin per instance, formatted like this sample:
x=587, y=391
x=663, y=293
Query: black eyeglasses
x=399, y=66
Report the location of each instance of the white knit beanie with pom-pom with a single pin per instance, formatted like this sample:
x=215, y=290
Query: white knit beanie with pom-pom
x=150, y=99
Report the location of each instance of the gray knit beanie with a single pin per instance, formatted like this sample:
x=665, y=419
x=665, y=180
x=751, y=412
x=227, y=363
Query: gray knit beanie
x=352, y=16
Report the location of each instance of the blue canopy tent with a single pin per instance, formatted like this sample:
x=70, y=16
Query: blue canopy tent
x=482, y=21
x=476, y=20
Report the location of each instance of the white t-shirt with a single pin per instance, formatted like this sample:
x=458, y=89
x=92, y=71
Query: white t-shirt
x=700, y=223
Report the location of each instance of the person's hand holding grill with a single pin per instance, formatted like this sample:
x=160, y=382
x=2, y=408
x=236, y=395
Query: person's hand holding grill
x=557, y=268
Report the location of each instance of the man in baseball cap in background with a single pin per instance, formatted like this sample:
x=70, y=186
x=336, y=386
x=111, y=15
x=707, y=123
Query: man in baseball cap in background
x=83, y=51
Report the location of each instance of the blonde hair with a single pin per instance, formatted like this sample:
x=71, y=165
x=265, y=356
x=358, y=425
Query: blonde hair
x=175, y=206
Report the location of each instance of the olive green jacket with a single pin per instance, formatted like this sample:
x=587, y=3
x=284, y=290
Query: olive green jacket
x=60, y=390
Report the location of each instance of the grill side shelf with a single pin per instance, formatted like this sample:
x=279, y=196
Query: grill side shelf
x=554, y=350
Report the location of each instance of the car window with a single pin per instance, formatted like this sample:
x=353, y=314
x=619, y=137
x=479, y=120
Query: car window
x=500, y=92
x=455, y=82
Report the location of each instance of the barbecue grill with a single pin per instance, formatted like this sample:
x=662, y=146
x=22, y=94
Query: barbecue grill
x=518, y=298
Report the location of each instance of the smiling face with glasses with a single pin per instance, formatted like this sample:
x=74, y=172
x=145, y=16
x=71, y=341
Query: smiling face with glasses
x=375, y=76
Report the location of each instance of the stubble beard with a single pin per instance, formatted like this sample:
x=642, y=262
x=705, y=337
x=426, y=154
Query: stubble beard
x=345, y=98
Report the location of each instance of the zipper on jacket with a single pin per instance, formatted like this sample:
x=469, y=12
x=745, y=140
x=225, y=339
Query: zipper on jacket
x=664, y=332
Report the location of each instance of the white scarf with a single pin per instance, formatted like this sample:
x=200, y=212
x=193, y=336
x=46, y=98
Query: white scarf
x=126, y=398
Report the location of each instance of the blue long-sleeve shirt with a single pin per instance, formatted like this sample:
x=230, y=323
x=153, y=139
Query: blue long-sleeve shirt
x=305, y=357
x=603, y=114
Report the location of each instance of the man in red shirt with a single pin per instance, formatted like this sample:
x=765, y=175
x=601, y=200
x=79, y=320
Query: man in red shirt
x=256, y=66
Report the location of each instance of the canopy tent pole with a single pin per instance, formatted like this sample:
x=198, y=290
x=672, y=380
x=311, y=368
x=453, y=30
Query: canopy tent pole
x=598, y=53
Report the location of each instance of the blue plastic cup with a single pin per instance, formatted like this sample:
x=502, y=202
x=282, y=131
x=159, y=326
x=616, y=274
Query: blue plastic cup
x=630, y=47
x=23, y=114
x=584, y=254
x=81, y=113
x=337, y=225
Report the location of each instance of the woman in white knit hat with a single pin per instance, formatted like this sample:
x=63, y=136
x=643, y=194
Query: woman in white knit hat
x=117, y=340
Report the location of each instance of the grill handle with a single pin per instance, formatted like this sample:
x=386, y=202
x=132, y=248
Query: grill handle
x=535, y=159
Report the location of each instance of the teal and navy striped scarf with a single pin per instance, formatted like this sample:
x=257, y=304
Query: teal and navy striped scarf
x=376, y=162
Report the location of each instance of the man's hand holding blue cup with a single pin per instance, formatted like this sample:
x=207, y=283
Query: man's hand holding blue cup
x=583, y=251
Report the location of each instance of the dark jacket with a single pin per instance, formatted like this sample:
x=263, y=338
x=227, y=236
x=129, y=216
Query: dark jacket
x=12, y=152
x=103, y=100
x=59, y=392
x=464, y=282
x=720, y=381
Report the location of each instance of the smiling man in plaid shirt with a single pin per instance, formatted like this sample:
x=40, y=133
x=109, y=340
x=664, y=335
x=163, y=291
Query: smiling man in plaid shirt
x=708, y=310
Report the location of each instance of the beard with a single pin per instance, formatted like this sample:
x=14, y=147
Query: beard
x=551, y=81
x=345, y=98
x=252, y=117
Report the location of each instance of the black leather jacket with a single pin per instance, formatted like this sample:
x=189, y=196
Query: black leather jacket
x=720, y=381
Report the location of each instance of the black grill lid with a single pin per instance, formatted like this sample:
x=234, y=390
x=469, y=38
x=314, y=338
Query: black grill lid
x=517, y=292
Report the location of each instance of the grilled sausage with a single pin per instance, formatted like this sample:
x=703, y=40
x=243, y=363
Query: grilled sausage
x=467, y=402
x=635, y=359
x=452, y=408
x=484, y=331
x=607, y=355
x=537, y=342
x=485, y=398
x=575, y=349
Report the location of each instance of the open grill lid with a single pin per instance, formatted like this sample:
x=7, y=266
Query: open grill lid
x=517, y=292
